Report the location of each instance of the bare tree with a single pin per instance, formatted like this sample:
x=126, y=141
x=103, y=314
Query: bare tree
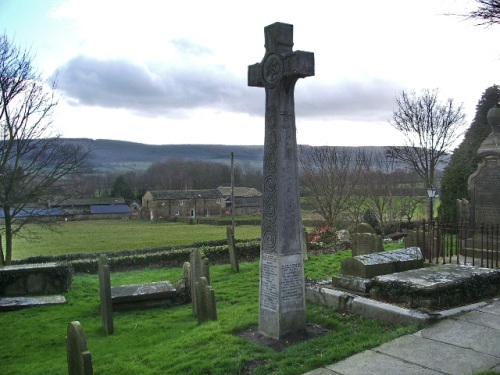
x=332, y=178
x=487, y=13
x=32, y=158
x=429, y=129
x=380, y=185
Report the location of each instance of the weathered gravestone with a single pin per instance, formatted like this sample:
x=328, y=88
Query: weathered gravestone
x=205, y=301
x=105, y=294
x=78, y=355
x=186, y=275
x=282, y=295
x=356, y=273
x=144, y=296
x=199, y=268
x=365, y=240
x=232, y=249
x=38, y=278
x=371, y=265
x=484, y=183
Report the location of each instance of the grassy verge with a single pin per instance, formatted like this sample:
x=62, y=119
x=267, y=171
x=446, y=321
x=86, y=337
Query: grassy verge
x=169, y=341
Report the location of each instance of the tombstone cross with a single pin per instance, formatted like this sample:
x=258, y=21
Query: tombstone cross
x=282, y=291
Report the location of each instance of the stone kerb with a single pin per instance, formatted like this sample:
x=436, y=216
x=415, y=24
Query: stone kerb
x=78, y=356
x=382, y=263
x=105, y=294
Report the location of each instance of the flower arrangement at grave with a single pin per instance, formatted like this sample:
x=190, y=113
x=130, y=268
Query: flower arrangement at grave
x=325, y=238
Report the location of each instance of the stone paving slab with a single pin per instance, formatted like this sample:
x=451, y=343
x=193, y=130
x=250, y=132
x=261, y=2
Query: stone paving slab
x=465, y=335
x=465, y=344
x=17, y=303
x=370, y=362
x=482, y=318
x=430, y=354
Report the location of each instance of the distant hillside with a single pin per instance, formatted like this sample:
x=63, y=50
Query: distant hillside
x=111, y=155
x=121, y=156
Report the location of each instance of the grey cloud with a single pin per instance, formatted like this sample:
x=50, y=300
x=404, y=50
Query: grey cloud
x=121, y=84
x=354, y=100
x=185, y=46
x=176, y=90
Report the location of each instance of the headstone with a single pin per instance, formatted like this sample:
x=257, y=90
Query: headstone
x=78, y=355
x=282, y=294
x=199, y=268
x=205, y=299
x=232, y=250
x=376, y=264
x=365, y=240
x=484, y=183
x=105, y=294
x=186, y=274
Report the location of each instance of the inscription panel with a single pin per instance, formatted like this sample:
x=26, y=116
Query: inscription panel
x=269, y=282
x=292, y=284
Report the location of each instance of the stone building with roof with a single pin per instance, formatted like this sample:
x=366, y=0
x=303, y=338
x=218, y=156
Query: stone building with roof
x=161, y=204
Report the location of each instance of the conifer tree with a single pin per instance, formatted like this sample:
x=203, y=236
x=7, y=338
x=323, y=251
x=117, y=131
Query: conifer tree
x=464, y=159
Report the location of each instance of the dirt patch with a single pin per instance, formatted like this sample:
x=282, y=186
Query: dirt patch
x=312, y=331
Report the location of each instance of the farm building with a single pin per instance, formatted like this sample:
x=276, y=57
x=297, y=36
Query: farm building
x=77, y=209
x=247, y=201
x=158, y=204
x=93, y=208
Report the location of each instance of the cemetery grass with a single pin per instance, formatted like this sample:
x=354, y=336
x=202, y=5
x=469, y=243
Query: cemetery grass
x=170, y=341
x=98, y=236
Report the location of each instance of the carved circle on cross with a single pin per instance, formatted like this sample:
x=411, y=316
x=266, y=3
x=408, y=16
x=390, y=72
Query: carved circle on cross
x=272, y=70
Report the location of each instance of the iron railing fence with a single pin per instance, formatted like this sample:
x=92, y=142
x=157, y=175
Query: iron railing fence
x=462, y=243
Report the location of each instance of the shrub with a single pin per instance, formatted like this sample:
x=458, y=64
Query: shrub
x=325, y=237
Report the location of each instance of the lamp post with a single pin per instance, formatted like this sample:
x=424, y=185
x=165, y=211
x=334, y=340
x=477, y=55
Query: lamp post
x=431, y=193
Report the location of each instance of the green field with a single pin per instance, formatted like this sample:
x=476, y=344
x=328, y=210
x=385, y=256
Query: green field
x=96, y=236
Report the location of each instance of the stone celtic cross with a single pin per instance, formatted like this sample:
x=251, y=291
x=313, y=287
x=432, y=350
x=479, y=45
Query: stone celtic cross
x=282, y=292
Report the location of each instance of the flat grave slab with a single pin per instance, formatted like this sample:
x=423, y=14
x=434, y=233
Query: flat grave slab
x=437, y=287
x=382, y=263
x=126, y=297
x=35, y=279
x=17, y=303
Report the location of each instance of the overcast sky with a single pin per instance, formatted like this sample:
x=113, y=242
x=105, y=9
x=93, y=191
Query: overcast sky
x=165, y=72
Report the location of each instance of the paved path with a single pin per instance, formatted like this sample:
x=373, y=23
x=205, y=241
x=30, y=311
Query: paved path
x=465, y=344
